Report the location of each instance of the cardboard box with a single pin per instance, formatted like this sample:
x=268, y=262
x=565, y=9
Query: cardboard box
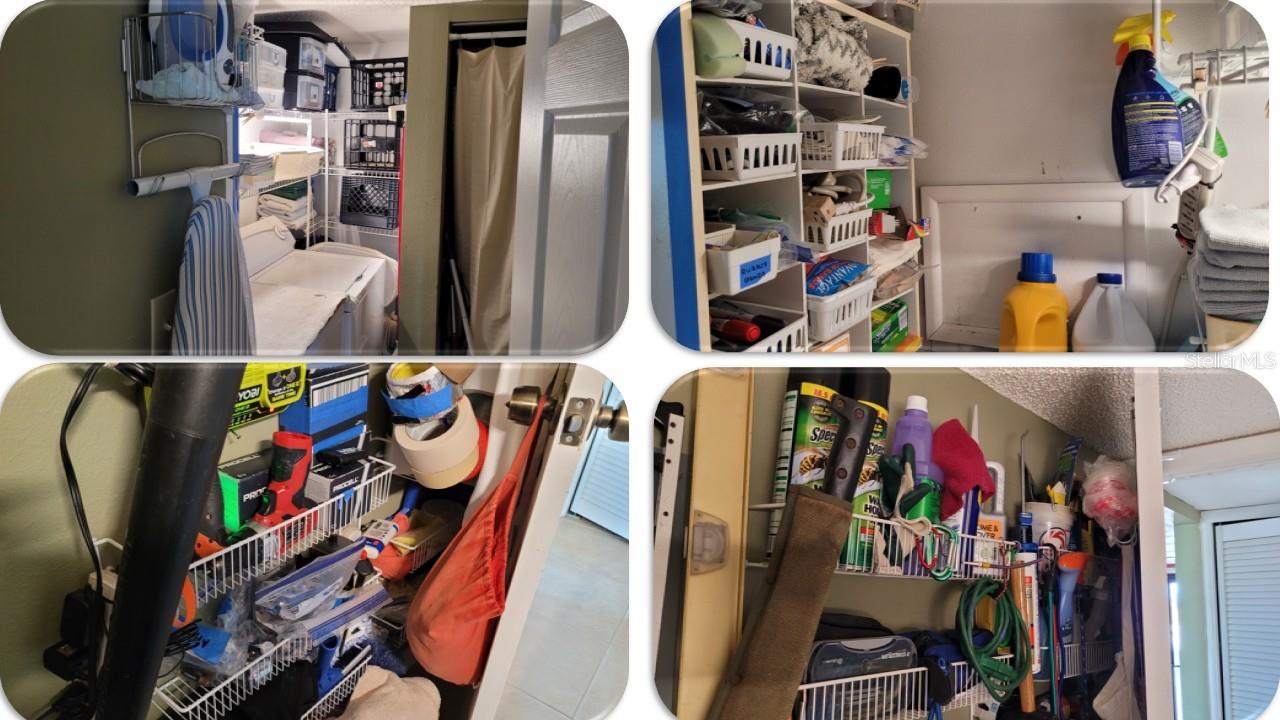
x=333, y=408
x=880, y=188
x=327, y=482
x=889, y=325
x=244, y=480
x=267, y=389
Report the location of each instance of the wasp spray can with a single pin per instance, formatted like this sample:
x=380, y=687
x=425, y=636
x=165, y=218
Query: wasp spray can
x=871, y=389
x=808, y=429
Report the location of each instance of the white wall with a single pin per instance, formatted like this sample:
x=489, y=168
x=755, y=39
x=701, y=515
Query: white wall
x=1020, y=93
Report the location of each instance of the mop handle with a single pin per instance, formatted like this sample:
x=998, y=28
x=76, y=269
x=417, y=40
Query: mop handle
x=1027, y=689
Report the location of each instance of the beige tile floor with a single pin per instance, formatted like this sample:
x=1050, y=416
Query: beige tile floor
x=572, y=660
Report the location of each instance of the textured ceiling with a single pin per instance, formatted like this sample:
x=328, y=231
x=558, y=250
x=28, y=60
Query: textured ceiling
x=1198, y=406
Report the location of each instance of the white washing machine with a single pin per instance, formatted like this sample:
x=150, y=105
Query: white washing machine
x=319, y=301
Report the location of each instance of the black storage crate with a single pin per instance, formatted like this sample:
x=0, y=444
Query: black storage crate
x=370, y=202
x=377, y=84
x=372, y=144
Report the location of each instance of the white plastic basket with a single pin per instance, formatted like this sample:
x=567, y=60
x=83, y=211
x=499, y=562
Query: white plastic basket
x=732, y=270
x=839, y=233
x=770, y=55
x=718, y=233
x=840, y=145
x=749, y=157
x=792, y=338
x=829, y=316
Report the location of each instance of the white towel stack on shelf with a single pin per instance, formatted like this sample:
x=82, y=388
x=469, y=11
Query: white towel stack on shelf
x=1231, y=267
x=293, y=213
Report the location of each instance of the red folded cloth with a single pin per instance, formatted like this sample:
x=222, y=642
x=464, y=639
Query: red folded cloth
x=962, y=464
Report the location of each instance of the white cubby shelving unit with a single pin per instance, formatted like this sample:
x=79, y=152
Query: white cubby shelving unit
x=782, y=193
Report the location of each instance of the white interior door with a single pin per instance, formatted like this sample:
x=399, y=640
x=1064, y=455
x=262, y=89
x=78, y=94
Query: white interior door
x=601, y=494
x=1248, y=563
x=554, y=482
x=569, y=289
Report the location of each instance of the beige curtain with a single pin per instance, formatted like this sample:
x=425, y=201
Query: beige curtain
x=487, y=138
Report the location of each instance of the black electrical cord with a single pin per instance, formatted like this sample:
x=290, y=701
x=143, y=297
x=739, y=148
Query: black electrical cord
x=82, y=521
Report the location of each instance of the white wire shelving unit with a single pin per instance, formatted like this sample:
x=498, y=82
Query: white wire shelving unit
x=896, y=695
x=883, y=548
x=263, y=553
x=1084, y=658
x=328, y=705
x=183, y=698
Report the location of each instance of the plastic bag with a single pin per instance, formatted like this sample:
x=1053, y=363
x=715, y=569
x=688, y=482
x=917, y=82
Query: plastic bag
x=899, y=280
x=728, y=8
x=313, y=588
x=1109, y=498
x=831, y=275
x=745, y=112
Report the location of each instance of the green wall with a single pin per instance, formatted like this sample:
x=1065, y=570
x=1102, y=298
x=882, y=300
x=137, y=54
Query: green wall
x=80, y=259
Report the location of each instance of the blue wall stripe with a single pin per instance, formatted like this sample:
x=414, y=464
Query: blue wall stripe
x=675, y=121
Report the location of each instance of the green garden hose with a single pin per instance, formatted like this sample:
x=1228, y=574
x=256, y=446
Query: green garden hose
x=1001, y=679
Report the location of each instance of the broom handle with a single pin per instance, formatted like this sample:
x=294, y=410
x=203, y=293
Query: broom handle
x=1027, y=689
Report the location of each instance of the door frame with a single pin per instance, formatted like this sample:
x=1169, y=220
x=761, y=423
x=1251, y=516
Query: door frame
x=1209, y=520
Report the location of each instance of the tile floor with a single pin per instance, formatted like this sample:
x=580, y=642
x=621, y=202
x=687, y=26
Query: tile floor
x=572, y=660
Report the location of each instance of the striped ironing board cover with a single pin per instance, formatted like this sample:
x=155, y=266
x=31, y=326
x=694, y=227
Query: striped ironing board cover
x=214, y=314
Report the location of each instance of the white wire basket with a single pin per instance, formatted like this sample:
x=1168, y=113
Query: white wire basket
x=875, y=547
x=839, y=233
x=897, y=695
x=1083, y=658
x=184, y=698
x=183, y=58
x=834, y=314
x=792, y=338
x=328, y=705
x=770, y=55
x=266, y=552
x=840, y=145
x=749, y=157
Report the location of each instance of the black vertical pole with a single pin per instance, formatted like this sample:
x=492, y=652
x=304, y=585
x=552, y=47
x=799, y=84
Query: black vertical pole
x=186, y=427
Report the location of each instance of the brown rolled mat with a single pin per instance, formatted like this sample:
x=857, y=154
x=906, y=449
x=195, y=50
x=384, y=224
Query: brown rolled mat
x=769, y=663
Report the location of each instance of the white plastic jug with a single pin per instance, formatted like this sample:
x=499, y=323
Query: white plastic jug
x=1109, y=321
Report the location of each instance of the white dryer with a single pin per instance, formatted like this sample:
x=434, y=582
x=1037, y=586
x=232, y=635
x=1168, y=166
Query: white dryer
x=314, y=301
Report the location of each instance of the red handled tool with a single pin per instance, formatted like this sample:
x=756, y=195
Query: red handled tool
x=290, y=464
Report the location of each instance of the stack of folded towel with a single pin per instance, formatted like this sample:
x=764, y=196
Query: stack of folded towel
x=293, y=213
x=1231, y=266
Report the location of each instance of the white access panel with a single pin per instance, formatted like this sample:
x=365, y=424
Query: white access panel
x=979, y=233
x=1248, y=563
x=602, y=492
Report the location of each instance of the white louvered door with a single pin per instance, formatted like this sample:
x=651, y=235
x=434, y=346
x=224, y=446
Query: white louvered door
x=1249, y=616
x=601, y=494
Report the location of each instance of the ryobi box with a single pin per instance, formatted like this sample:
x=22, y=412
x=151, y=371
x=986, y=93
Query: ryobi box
x=334, y=406
x=267, y=389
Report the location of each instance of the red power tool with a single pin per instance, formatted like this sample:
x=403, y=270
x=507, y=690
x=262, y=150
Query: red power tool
x=290, y=465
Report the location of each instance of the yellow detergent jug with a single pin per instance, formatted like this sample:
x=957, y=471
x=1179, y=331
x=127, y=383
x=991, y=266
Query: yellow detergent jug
x=1035, y=312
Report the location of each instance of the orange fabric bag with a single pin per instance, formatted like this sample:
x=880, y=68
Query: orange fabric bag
x=453, y=615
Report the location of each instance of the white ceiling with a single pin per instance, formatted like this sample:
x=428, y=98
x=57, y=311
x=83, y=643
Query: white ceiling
x=355, y=22
x=1228, y=489
x=1199, y=406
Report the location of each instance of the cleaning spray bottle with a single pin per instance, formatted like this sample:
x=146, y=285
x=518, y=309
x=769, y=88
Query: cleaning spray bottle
x=1154, y=124
x=925, y=500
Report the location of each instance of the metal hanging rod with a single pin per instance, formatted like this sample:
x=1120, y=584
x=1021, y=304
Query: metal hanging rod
x=501, y=35
x=199, y=178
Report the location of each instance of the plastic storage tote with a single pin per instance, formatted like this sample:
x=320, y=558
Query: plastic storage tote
x=838, y=233
x=829, y=316
x=305, y=53
x=732, y=270
x=303, y=91
x=770, y=55
x=749, y=157
x=840, y=146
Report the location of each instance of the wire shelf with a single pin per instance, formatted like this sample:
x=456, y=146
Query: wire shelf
x=361, y=172
x=178, y=58
x=878, y=547
x=896, y=695
x=332, y=700
x=267, y=551
x=249, y=189
x=191, y=699
x=332, y=226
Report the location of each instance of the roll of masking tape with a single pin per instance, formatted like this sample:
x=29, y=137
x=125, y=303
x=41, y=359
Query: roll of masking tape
x=447, y=459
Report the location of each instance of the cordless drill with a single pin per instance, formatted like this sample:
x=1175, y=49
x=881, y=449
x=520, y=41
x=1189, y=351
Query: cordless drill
x=290, y=465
